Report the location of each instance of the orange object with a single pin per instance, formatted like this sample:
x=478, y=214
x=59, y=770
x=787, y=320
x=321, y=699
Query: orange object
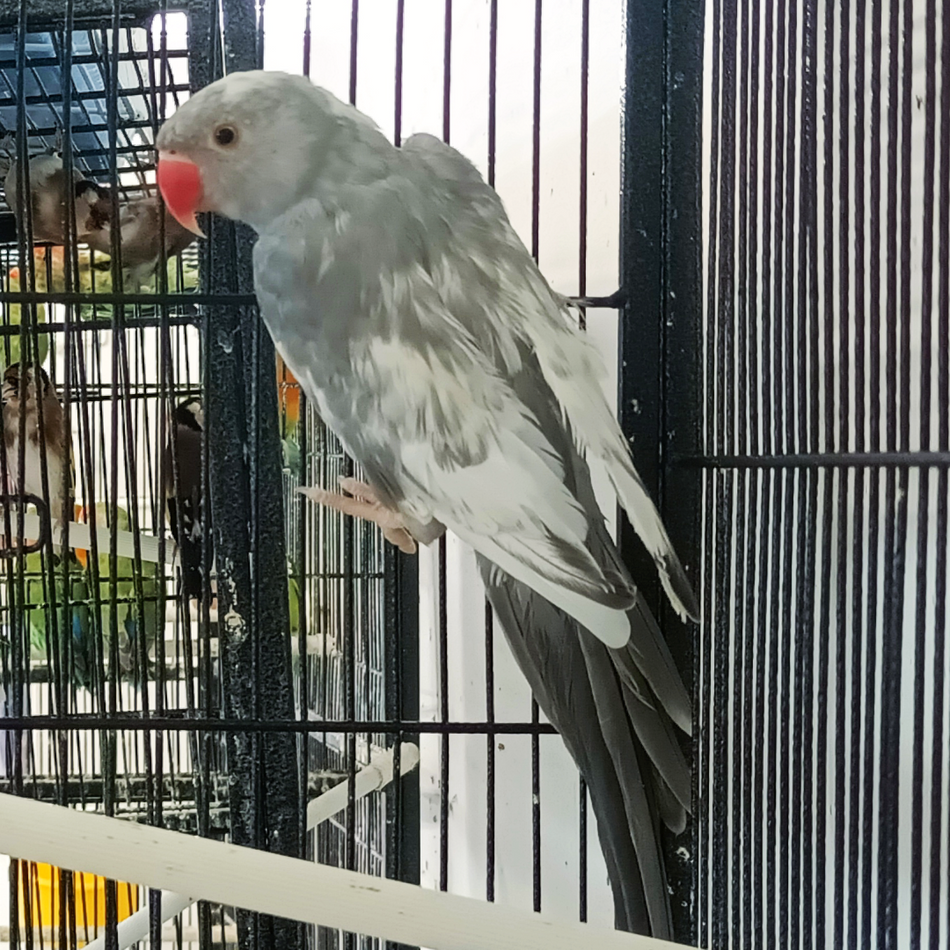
x=46, y=901
x=82, y=555
x=288, y=397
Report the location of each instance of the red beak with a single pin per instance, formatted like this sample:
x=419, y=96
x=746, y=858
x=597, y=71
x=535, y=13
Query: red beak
x=179, y=180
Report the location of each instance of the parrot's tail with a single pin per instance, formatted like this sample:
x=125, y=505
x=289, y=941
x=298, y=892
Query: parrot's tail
x=621, y=737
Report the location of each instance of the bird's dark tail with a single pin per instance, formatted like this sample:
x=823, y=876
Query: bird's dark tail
x=604, y=708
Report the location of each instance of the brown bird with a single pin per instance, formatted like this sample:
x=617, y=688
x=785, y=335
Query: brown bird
x=51, y=193
x=139, y=237
x=42, y=440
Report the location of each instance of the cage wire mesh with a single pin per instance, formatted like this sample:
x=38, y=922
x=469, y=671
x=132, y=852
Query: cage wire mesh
x=823, y=763
x=95, y=647
x=797, y=400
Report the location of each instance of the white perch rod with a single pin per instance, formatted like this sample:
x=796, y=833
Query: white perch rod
x=80, y=536
x=287, y=887
x=378, y=774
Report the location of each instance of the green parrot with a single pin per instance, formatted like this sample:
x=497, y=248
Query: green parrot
x=11, y=317
x=293, y=599
x=128, y=619
x=80, y=643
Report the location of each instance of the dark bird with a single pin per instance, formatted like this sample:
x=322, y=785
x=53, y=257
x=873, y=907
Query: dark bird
x=185, y=502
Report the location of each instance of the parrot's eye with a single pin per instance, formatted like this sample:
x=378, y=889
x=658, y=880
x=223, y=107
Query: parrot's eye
x=225, y=135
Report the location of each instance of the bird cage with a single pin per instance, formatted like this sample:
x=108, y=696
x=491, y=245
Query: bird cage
x=149, y=353
x=748, y=205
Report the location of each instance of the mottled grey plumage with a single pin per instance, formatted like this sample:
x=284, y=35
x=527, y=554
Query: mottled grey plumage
x=415, y=319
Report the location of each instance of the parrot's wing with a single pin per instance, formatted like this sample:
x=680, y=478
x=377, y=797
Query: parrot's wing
x=610, y=706
x=461, y=449
x=423, y=408
x=486, y=252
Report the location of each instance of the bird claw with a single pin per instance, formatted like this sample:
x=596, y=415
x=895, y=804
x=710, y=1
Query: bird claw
x=362, y=502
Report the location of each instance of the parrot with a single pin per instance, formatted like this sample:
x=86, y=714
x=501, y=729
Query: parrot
x=82, y=648
x=401, y=298
x=139, y=218
x=12, y=316
x=186, y=509
x=51, y=194
x=93, y=276
x=48, y=440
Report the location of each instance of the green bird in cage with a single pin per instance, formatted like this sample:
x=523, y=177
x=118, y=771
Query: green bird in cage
x=44, y=614
x=12, y=314
x=133, y=621
x=93, y=276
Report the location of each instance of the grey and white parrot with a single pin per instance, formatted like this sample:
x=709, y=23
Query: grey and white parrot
x=416, y=321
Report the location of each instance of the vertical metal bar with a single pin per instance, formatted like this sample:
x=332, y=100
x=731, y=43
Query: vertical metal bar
x=857, y=551
x=490, y=869
x=660, y=324
x=402, y=659
x=400, y=50
x=923, y=511
x=940, y=812
x=247, y=513
x=743, y=569
x=705, y=752
x=841, y=441
x=354, y=47
x=641, y=267
x=535, y=233
x=582, y=321
x=787, y=856
x=895, y=498
x=810, y=523
x=447, y=72
x=349, y=540
x=444, y=737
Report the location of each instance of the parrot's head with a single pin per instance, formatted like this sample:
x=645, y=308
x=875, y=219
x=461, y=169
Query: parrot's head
x=249, y=146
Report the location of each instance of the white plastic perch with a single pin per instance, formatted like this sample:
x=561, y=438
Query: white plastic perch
x=378, y=774
x=80, y=536
x=287, y=887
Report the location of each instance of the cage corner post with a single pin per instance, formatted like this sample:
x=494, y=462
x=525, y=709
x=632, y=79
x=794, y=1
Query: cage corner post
x=661, y=320
x=247, y=513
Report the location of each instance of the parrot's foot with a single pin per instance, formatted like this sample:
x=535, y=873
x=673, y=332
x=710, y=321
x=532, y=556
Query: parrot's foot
x=361, y=502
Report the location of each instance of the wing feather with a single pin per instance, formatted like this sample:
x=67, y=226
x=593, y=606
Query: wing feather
x=527, y=309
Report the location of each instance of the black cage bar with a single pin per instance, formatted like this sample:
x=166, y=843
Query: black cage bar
x=822, y=760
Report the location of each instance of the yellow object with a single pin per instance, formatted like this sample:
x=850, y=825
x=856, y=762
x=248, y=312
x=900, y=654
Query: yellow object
x=89, y=899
